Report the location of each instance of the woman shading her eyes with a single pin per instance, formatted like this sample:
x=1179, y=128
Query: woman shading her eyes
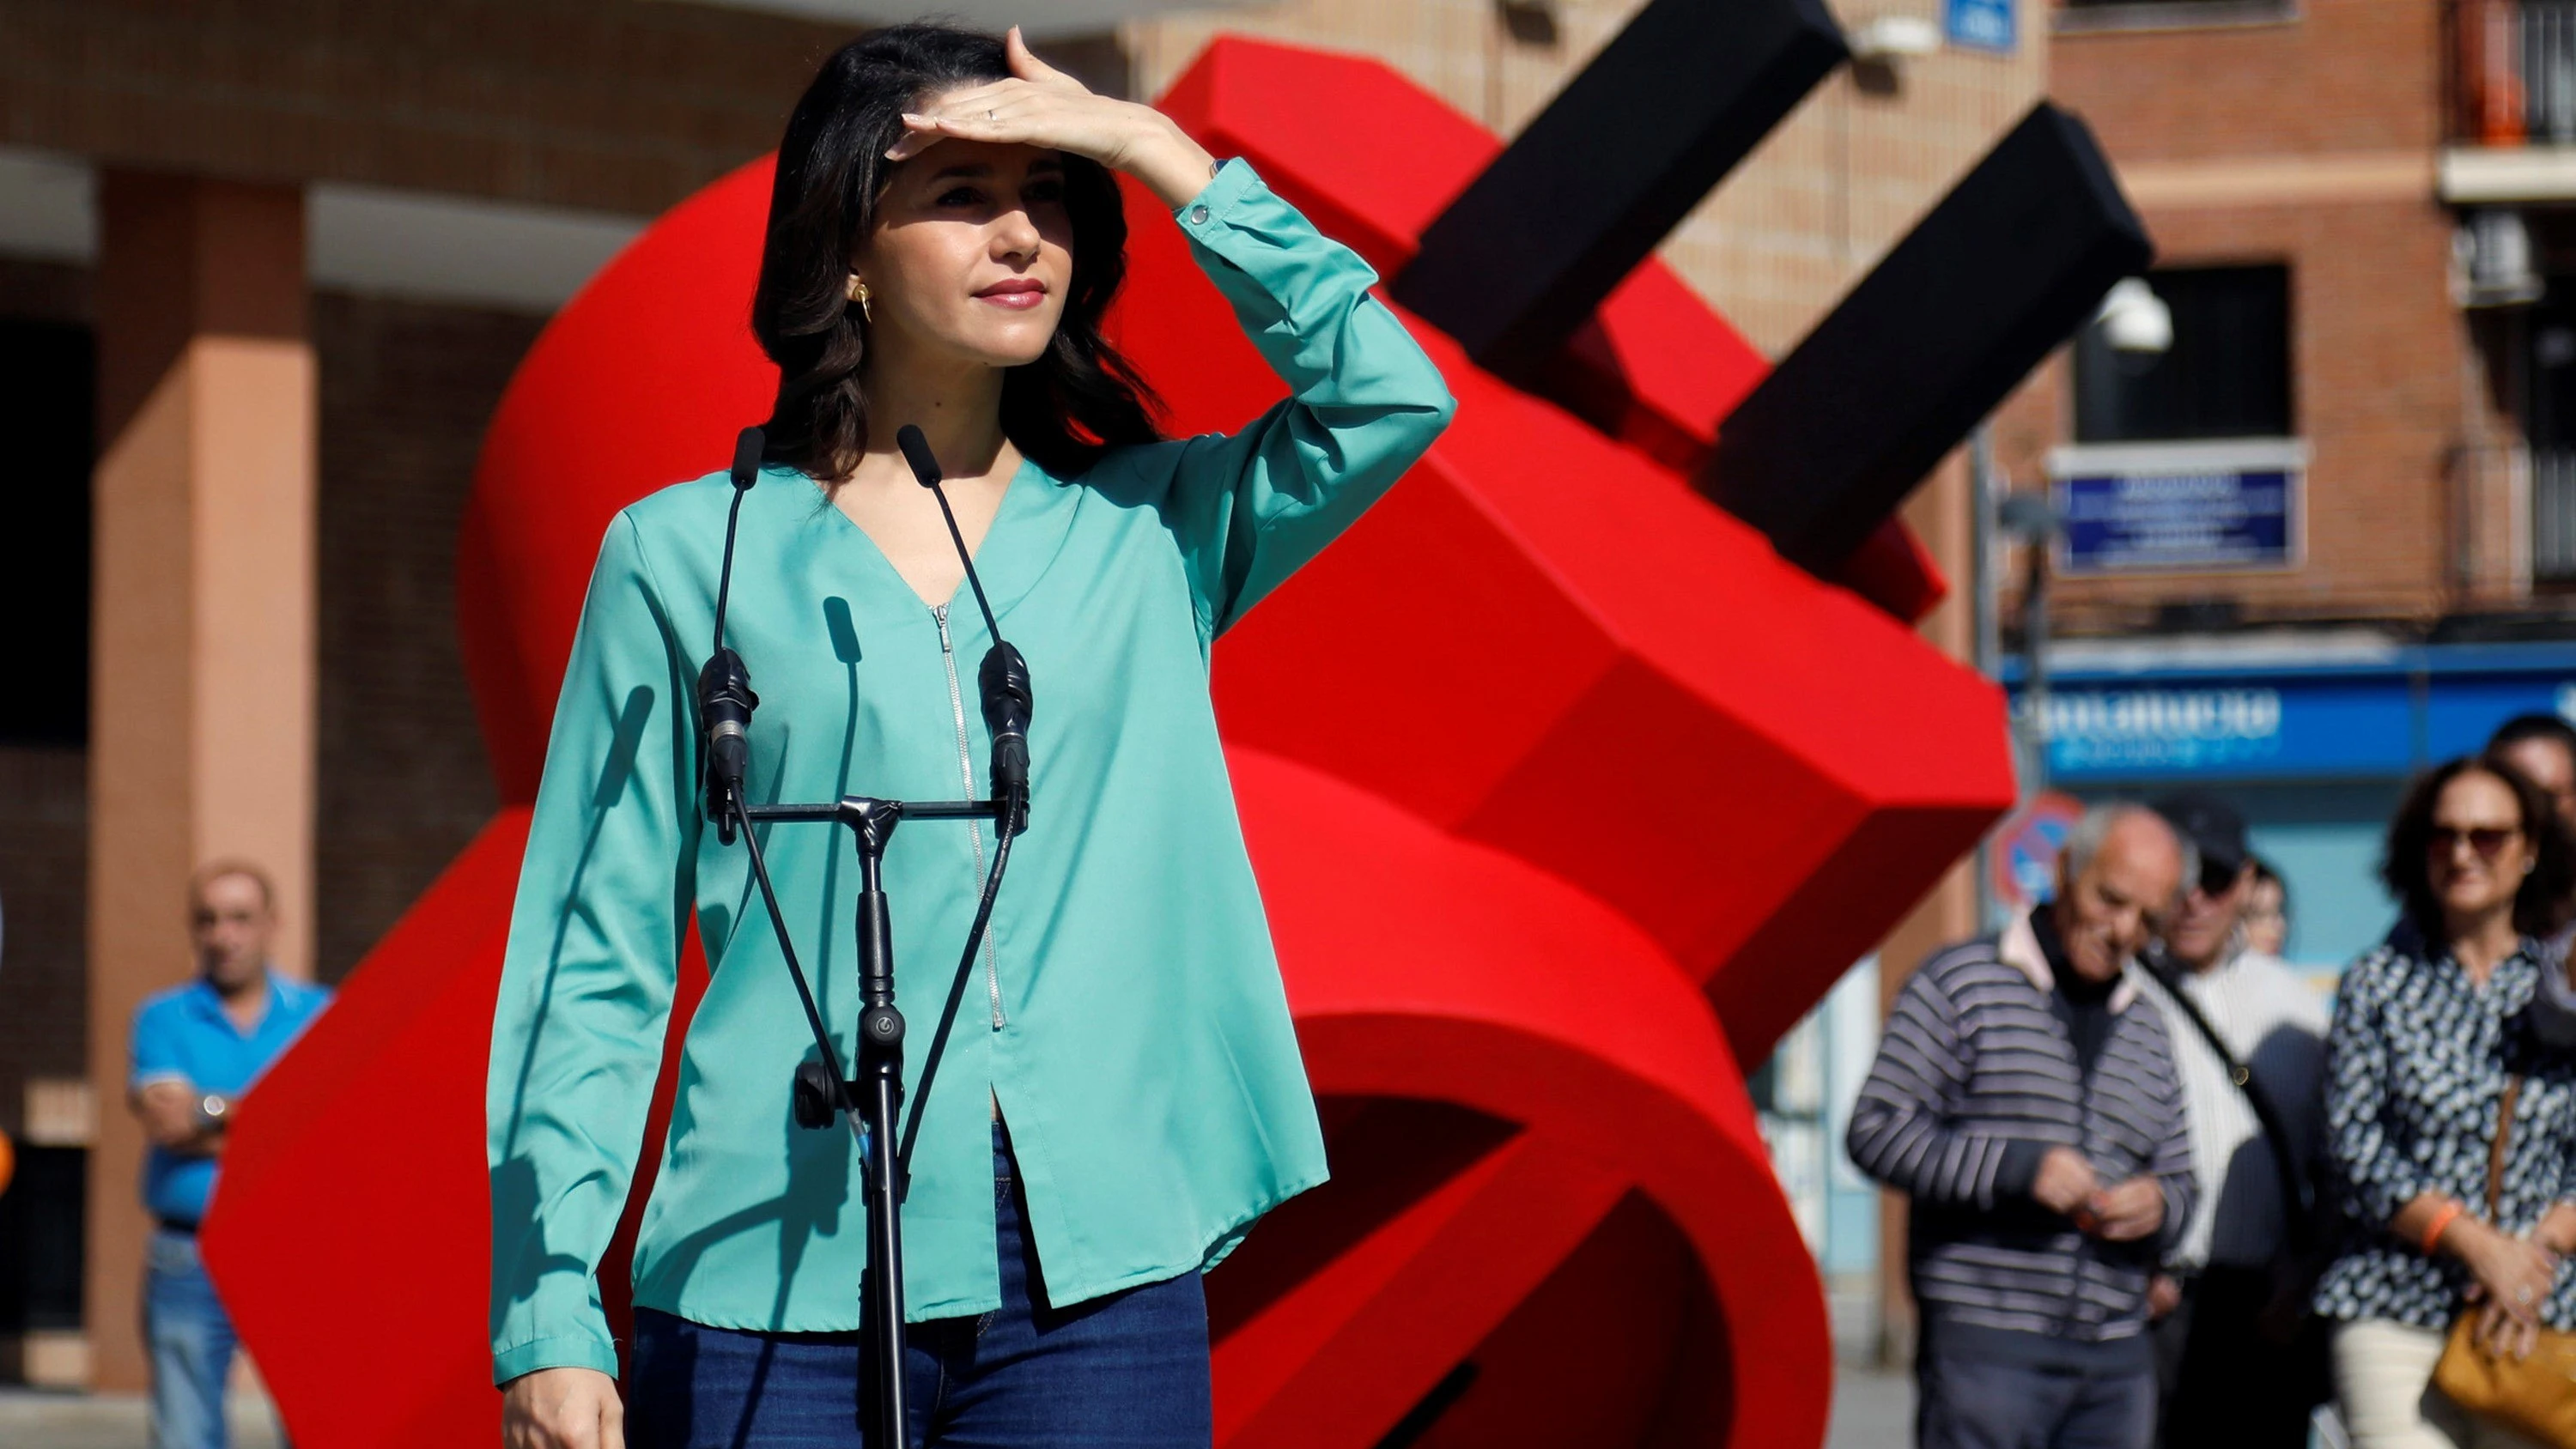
x=1118, y=1094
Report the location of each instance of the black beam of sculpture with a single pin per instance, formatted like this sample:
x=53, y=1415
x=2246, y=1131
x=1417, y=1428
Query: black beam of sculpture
x=1525, y=254
x=2006, y=267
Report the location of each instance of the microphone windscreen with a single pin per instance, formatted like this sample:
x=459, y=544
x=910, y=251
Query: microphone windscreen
x=916, y=451
x=746, y=456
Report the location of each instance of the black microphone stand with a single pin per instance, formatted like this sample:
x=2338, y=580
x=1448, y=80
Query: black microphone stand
x=872, y=1101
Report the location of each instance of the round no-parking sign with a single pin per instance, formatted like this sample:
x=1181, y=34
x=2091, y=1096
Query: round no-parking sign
x=2026, y=847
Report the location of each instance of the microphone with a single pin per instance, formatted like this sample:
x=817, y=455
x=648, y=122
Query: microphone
x=1003, y=678
x=725, y=700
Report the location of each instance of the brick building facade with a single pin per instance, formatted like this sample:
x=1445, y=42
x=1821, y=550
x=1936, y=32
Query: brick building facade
x=2306, y=139
x=2322, y=540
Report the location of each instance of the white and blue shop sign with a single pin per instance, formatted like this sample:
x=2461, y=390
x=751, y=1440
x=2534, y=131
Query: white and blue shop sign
x=2323, y=712
x=2223, y=506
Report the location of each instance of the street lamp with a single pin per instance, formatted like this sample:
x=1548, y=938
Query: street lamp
x=2139, y=327
x=2134, y=319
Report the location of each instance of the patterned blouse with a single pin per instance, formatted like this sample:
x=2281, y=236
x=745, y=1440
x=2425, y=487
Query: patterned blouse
x=2415, y=1064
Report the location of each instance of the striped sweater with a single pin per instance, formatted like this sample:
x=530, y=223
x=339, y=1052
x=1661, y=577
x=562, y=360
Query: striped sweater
x=1976, y=1078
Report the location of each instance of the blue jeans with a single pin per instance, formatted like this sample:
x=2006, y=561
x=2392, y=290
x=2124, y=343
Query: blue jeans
x=1128, y=1371
x=1963, y=1402
x=191, y=1341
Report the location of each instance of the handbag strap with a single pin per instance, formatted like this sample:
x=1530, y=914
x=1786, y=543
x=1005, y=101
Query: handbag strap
x=2298, y=1201
x=2496, y=1153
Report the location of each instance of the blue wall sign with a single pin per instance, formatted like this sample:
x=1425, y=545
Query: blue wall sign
x=2179, y=508
x=2415, y=706
x=1979, y=24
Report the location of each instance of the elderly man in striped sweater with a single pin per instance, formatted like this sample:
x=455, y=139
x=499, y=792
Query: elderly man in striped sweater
x=2028, y=1104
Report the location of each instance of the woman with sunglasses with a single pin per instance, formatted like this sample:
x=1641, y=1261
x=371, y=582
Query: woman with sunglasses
x=2427, y=1031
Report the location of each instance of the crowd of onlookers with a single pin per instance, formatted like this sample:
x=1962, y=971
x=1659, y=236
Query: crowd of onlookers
x=2159, y=1195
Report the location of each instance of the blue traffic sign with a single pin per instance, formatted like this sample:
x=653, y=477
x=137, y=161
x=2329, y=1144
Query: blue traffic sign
x=1979, y=24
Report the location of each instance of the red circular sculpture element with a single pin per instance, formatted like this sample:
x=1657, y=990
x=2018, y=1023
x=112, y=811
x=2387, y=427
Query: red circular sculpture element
x=1527, y=961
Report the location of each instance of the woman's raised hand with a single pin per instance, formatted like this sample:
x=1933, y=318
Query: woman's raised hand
x=1042, y=106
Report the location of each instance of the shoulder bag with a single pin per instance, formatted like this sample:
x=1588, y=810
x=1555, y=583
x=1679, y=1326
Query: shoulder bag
x=2534, y=1396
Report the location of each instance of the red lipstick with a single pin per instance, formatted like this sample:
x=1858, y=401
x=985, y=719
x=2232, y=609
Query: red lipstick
x=1017, y=293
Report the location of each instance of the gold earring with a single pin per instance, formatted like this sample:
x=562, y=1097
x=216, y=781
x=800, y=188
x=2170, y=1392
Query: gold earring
x=859, y=294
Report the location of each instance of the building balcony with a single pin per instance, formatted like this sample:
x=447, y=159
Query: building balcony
x=2512, y=528
x=2511, y=103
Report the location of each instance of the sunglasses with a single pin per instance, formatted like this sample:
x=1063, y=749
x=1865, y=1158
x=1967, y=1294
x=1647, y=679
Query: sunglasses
x=2488, y=841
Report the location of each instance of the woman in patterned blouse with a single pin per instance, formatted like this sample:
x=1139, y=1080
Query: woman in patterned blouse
x=2426, y=1030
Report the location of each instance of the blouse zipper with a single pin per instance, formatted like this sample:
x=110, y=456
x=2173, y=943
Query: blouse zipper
x=966, y=773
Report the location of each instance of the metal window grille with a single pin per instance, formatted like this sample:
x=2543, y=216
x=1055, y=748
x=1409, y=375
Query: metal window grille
x=2549, y=69
x=2553, y=513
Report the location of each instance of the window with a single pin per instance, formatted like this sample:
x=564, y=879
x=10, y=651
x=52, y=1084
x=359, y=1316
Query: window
x=2548, y=374
x=2549, y=367
x=41, y=1227
x=45, y=411
x=2227, y=374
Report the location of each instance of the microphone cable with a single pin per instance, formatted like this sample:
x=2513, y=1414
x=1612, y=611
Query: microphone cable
x=1002, y=680
x=925, y=471
x=725, y=700
x=1006, y=710
x=849, y=1110
x=725, y=703
x=937, y=1052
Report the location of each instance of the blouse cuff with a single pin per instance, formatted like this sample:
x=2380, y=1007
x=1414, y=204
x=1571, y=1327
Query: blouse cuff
x=571, y=1351
x=1203, y=214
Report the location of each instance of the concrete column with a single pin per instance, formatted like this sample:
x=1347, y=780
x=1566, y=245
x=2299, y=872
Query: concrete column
x=202, y=674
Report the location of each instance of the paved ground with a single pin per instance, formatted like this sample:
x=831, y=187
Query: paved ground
x=1871, y=1411
x=1874, y=1409
x=37, y=1419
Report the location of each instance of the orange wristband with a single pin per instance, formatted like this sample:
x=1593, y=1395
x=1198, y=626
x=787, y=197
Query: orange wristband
x=2450, y=1213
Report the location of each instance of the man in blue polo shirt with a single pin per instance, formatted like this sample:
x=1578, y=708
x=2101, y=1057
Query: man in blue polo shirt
x=197, y=1049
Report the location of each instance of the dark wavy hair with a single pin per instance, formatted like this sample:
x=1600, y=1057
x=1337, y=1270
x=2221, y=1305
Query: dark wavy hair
x=1063, y=410
x=2524, y=727
x=2538, y=907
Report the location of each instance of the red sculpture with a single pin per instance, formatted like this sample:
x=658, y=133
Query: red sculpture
x=1529, y=961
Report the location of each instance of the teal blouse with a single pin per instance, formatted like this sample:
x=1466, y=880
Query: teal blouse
x=1128, y=1017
